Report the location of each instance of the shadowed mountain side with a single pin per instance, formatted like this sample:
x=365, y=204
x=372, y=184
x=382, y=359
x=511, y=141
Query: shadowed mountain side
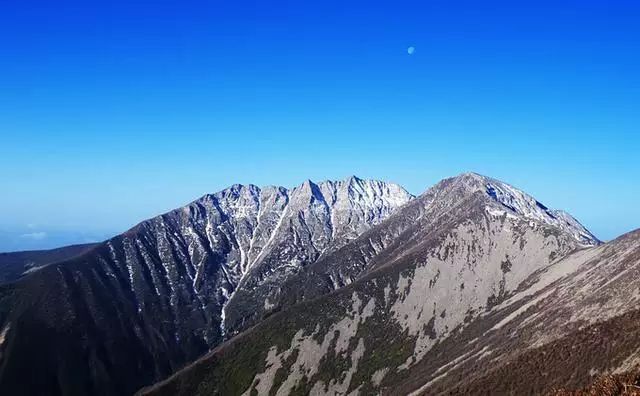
x=15, y=265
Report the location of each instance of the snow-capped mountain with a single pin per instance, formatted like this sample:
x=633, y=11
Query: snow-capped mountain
x=374, y=316
x=331, y=287
x=291, y=229
x=149, y=300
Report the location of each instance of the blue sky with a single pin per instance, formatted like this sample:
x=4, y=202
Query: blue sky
x=114, y=111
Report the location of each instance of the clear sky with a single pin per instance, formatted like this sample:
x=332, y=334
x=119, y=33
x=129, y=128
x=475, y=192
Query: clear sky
x=114, y=111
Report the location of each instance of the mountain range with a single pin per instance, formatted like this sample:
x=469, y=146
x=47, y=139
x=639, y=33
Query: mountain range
x=346, y=287
x=15, y=265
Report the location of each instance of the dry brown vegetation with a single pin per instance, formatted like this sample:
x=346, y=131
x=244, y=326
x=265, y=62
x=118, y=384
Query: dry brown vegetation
x=567, y=363
x=626, y=384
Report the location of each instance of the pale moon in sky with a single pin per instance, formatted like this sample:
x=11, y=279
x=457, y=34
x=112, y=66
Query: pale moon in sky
x=411, y=50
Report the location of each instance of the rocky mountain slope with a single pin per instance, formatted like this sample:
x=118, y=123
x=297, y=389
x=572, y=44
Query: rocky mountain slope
x=390, y=311
x=568, y=324
x=412, y=231
x=145, y=302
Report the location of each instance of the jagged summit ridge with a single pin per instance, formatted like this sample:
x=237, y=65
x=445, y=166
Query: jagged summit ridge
x=285, y=229
x=252, y=237
x=331, y=213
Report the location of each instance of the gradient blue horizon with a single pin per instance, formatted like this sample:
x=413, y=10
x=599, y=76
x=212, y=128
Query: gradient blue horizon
x=113, y=112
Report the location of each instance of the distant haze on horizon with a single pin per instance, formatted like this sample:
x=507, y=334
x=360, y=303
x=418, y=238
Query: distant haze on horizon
x=116, y=112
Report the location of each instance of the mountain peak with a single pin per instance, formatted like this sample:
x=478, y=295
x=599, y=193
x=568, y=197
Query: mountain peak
x=524, y=204
x=472, y=175
x=504, y=198
x=469, y=182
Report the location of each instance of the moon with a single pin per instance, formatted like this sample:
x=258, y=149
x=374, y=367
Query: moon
x=411, y=50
